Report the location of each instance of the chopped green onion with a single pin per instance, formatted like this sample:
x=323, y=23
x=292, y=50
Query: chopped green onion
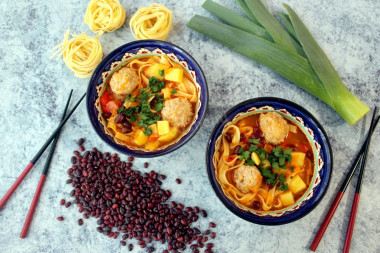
x=344, y=102
x=235, y=20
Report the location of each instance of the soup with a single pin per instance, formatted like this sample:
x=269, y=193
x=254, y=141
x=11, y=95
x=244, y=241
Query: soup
x=149, y=103
x=264, y=162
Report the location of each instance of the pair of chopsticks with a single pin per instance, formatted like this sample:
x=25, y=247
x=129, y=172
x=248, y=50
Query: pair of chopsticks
x=54, y=136
x=360, y=159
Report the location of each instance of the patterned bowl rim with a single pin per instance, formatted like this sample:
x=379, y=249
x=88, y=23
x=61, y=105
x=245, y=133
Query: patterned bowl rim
x=314, y=192
x=111, y=62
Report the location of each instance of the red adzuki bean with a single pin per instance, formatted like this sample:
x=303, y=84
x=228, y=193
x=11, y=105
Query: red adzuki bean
x=131, y=202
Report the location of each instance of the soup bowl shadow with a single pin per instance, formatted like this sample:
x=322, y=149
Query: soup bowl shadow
x=322, y=157
x=139, y=49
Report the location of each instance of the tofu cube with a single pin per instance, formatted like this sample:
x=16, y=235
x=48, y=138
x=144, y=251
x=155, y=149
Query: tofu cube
x=287, y=198
x=140, y=138
x=297, y=185
x=163, y=127
x=298, y=159
x=174, y=75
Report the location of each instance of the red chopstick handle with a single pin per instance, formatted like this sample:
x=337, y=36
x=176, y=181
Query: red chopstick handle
x=326, y=221
x=15, y=185
x=29, y=217
x=351, y=223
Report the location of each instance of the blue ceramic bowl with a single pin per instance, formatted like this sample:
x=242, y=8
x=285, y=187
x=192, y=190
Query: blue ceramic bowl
x=321, y=151
x=137, y=49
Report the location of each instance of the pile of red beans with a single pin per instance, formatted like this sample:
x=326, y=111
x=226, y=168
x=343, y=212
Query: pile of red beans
x=131, y=204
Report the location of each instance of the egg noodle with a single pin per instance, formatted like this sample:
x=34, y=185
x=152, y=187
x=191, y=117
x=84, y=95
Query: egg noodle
x=153, y=22
x=104, y=15
x=224, y=167
x=81, y=53
x=184, y=90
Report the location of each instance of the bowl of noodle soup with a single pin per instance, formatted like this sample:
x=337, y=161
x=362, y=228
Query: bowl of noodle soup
x=147, y=98
x=269, y=161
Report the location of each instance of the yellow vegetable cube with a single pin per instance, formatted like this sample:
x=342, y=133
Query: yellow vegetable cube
x=287, y=198
x=298, y=159
x=163, y=127
x=156, y=70
x=152, y=145
x=265, y=164
x=140, y=138
x=292, y=128
x=255, y=158
x=166, y=92
x=154, y=128
x=297, y=185
x=121, y=136
x=173, y=133
x=174, y=75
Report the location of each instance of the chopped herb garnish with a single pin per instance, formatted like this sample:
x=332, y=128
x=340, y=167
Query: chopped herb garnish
x=127, y=98
x=161, y=72
x=142, y=71
x=174, y=91
x=250, y=162
x=158, y=106
x=254, y=141
x=148, y=131
x=142, y=113
x=267, y=174
x=283, y=187
x=121, y=109
x=155, y=84
x=253, y=148
x=291, y=169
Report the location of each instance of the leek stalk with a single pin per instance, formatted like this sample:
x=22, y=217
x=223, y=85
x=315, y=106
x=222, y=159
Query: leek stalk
x=267, y=20
x=285, y=19
x=247, y=12
x=233, y=19
x=290, y=65
x=345, y=103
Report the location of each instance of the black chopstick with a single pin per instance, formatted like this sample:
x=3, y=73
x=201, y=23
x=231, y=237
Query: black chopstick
x=355, y=203
x=40, y=185
x=37, y=156
x=343, y=187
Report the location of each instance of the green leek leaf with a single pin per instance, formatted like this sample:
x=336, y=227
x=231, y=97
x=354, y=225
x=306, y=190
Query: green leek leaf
x=247, y=12
x=290, y=65
x=235, y=20
x=275, y=29
x=345, y=103
x=288, y=24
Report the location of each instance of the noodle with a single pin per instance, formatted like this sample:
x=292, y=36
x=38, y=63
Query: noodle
x=153, y=22
x=104, y=15
x=135, y=137
x=81, y=53
x=231, y=166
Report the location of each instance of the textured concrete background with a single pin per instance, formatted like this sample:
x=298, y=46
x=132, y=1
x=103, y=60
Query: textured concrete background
x=34, y=90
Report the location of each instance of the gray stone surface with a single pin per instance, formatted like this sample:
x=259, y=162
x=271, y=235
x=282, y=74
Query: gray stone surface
x=34, y=90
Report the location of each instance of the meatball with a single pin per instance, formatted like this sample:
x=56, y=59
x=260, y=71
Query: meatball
x=247, y=178
x=274, y=127
x=124, y=81
x=177, y=111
